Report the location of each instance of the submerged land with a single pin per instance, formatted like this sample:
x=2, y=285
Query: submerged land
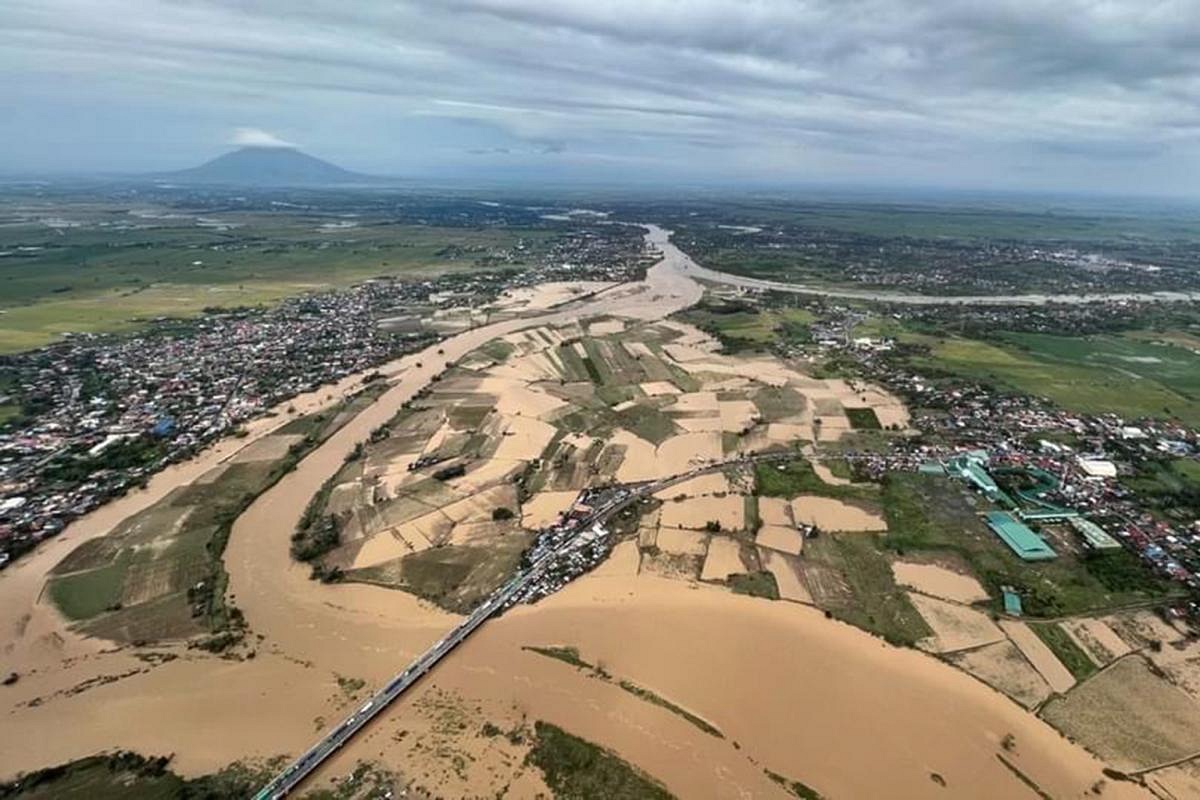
x=818, y=533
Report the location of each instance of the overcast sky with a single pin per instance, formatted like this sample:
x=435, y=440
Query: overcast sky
x=1069, y=94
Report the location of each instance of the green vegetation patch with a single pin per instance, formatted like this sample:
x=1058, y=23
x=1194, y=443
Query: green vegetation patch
x=1171, y=487
x=778, y=402
x=796, y=476
x=122, y=775
x=565, y=654
x=87, y=594
x=108, y=777
x=1094, y=375
x=110, y=280
x=159, y=575
x=755, y=584
x=1070, y=654
x=576, y=769
x=740, y=326
x=498, y=349
x=455, y=577
x=795, y=787
x=658, y=700
x=863, y=419
x=648, y=423
x=867, y=595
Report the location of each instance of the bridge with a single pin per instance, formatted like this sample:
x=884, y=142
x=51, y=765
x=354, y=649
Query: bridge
x=296, y=772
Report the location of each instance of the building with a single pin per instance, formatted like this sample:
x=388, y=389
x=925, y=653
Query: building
x=1097, y=468
x=1093, y=535
x=972, y=467
x=1020, y=539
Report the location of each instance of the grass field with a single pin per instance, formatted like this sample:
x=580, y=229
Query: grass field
x=1097, y=374
x=795, y=477
x=102, y=280
x=870, y=598
x=748, y=330
x=863, y=419
x=1070, y=654
x=1129, y=716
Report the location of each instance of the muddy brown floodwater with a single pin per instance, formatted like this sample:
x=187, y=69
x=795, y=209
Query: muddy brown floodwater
x=790, y=691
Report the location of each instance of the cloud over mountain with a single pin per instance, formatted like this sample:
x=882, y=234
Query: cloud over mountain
x=255, y=137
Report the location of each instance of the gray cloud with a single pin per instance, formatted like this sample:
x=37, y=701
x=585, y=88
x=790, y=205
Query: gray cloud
x=1079, y=94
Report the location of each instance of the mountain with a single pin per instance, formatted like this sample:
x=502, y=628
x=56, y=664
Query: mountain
x=268, y=166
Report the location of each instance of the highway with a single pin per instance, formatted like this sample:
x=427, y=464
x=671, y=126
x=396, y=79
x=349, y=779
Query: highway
x=295, y=773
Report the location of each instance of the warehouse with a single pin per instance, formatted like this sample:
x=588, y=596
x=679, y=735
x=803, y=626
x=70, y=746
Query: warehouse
x=1020, y=539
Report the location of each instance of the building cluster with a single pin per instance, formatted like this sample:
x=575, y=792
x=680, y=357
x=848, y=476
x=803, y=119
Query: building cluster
x=100, y=414
x=574, y=544
x=1077, y=464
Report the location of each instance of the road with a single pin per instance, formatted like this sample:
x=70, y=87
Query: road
x=296, y=772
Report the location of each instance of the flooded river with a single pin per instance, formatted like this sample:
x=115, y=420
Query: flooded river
x=792, y=692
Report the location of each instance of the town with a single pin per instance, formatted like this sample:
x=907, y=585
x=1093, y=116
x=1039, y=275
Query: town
x=1066, y=466
x=101, y=413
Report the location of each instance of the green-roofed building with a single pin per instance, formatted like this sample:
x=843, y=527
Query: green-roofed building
x=1093, y=535
x=1012, y=603
x=1020, y=539
x=972, y=468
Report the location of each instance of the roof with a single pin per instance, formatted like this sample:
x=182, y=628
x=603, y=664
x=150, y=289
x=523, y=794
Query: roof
x=1098, y=468
x=1094, y=535
x=1012, y=603
x=1020, y=539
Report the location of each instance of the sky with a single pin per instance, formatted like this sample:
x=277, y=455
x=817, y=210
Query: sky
x=1070, y=95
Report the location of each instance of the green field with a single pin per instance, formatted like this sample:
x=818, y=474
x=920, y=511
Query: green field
x=158, y=575
x=750, y=330
x=1070, y=654
x=1171, y=487
x=756, y=584
x=957, y=218
x=872, y=600
x=102, y=280
x=1096, y=374
x=796, y=476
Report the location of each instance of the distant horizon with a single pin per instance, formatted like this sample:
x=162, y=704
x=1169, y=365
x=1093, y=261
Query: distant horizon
x=793, y=189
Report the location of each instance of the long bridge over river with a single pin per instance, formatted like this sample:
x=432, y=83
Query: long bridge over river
x=297, y=771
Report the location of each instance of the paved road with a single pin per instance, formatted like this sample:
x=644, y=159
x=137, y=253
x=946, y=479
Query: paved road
x=301, y=768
